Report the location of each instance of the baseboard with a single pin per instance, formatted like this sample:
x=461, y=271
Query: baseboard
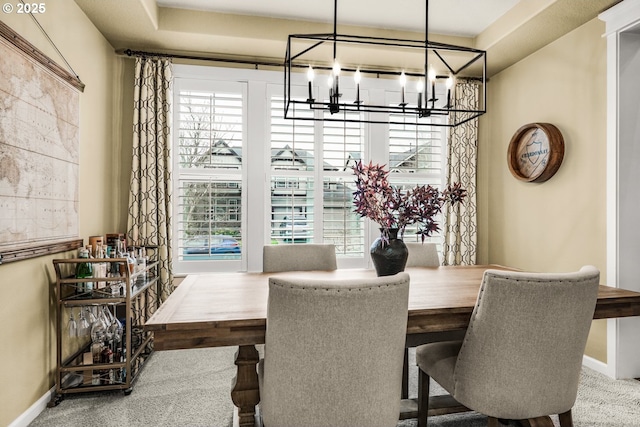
x=34, y=410
x=597, y=365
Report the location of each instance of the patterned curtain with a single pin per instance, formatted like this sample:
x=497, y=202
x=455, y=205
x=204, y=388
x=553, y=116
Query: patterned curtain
x=460, y=222
x=149, y=221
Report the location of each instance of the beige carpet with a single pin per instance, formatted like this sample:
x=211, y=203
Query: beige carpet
x=601, y=402
x=190, y=388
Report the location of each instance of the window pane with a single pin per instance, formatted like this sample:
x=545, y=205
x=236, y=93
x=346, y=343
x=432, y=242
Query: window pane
x=341, y=226
x=292, y=209
x=415, y=149
x=343, y=143
x=416, y=158
x=209, y=219
x=210, y=130
x=292, y=141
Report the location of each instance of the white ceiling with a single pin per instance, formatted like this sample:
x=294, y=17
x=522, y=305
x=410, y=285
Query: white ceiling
x=453, y=17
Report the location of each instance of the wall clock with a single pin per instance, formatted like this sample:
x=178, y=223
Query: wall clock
x=535, y=152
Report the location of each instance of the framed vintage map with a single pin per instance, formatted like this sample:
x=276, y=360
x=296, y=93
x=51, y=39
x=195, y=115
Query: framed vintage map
x=39, y=151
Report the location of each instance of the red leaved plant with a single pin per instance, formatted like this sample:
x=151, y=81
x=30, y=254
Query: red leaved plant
x=390, y=207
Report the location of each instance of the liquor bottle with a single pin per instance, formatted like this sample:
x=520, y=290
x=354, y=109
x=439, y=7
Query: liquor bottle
x=142, y=263
x=106, y=357
x=123, y=370
x=122, y=253
x=84, y=270
x=100, y=268
x=114, y=271
x=114, y=268
x=131, y=261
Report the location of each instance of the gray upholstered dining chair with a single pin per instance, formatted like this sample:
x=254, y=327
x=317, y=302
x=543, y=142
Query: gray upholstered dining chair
x=333, y=352
x=300, y=257
x=522, y=354
x=422, y=255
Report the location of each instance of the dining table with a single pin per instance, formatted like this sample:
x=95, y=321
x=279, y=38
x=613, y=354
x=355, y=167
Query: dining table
x=230, y=309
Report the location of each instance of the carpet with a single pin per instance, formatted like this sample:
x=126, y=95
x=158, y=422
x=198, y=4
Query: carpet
x=190, y=388
x=175, y=388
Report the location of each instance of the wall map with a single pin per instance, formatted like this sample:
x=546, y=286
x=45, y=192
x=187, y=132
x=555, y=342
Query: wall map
x=39, y=158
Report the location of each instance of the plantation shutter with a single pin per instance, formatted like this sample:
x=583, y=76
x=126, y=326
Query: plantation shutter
x=210, y=141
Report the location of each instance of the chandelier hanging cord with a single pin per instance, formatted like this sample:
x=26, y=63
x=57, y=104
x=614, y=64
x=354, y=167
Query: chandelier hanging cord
x=426, y=40
x=334, y=91
x=425, y=112
x=335, y=28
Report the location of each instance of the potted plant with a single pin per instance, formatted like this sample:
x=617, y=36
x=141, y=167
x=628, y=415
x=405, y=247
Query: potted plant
x=393, y=210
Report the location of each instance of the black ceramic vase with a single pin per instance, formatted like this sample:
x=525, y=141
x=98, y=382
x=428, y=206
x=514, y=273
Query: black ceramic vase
x=389, y=257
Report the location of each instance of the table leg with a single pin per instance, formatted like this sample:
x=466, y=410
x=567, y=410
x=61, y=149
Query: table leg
x=245, y=393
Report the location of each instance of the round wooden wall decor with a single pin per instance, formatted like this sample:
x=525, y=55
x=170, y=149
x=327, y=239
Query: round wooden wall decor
x=535, y=152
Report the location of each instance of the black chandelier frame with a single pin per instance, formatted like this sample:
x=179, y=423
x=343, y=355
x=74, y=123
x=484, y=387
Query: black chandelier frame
x=335, y=104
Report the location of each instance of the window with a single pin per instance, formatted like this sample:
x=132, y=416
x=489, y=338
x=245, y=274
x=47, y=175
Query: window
x=245, y=177
x=292, y=166
x=209, y=136
x=310, y=188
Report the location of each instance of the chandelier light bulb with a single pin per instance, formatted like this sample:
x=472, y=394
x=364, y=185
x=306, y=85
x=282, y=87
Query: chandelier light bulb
x=403, y=83
x=356, y=78
x=330, y=81
x=449, y=85
x=310, y=83
x=432, y=75
x=420, y=86
x=336, y=69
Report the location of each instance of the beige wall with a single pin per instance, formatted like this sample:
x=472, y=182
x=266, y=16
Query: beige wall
x=555, y=226
x=558, y=225
x=27, y=309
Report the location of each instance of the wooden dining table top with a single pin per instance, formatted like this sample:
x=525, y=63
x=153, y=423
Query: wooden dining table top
x=222, y=309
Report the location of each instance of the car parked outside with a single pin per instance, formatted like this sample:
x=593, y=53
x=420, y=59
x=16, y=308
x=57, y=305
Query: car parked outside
x=213, y=245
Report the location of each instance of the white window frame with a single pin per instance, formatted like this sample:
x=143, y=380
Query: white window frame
x=256, y=171
x=181, y=267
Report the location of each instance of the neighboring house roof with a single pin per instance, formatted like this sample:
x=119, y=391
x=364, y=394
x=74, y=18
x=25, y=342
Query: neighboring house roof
x=289, y=156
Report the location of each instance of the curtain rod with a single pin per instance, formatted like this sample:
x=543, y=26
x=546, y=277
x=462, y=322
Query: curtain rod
x=256, y=63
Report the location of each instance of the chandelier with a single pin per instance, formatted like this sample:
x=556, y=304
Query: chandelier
x=425, y=74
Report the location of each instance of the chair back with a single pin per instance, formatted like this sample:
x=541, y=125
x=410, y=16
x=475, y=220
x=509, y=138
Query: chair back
x=333, y=352
x=300, y=257
x=522, y=353
x=422, y=255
